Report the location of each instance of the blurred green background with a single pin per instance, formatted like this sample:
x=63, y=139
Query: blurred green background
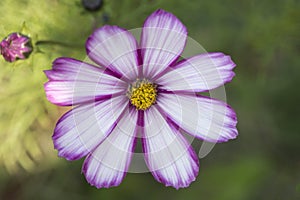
x=262, y=36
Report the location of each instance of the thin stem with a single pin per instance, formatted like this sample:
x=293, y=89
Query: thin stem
x=51, y=42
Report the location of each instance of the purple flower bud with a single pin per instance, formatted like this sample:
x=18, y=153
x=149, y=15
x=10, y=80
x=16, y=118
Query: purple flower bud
x=15, y=46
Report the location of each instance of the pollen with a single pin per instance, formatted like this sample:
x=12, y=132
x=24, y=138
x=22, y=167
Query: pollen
x=142, y=94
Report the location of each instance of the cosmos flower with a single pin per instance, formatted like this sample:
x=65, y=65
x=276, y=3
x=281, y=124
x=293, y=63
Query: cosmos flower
x=139, y=91
x=15, y=46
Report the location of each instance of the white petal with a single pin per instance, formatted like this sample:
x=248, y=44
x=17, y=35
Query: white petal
x=162, y=41
x=114, y=48
x=199, y=73
x=72, y=82
x=108, y=164
x=82, y=129
x=168, y=155
x=208, y=119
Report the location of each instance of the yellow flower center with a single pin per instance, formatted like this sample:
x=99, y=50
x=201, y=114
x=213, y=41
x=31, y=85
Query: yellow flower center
x=142, y=94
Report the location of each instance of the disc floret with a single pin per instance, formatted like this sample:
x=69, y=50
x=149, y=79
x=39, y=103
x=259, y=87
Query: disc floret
x=142, y=94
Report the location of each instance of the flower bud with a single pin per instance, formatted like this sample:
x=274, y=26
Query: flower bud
x=15, y=46
x=92, y=5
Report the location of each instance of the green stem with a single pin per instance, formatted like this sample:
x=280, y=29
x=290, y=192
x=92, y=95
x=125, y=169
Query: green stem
x=50, y=42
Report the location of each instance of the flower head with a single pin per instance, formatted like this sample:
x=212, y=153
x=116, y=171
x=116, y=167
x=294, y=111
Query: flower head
x=15, y=46
x=139, y=90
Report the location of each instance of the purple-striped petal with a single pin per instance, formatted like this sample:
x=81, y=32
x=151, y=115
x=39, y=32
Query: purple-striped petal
x=108, y=164
x=82, y=129
x=73, y=82
x=199, y=73
x=168, y=155
x=202, y=117
x=162, y=41
x=114, y=48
